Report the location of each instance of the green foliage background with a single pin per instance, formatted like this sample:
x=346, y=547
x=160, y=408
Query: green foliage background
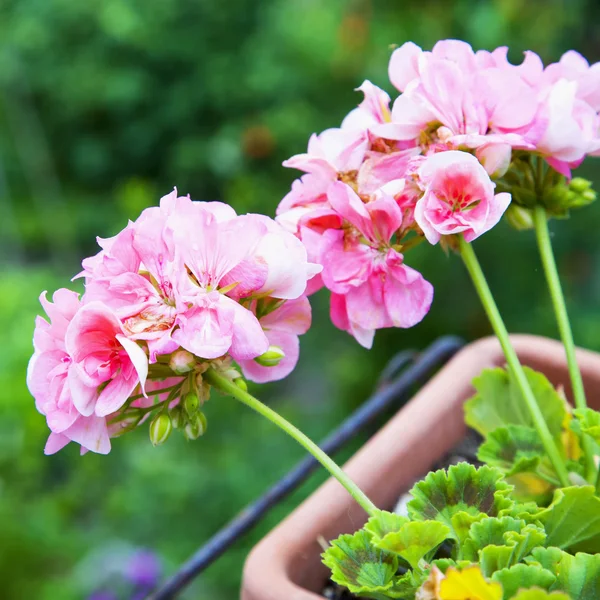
x=105, y=105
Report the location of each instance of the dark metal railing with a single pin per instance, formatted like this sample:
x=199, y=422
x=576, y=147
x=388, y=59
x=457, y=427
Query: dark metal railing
x=398, y=378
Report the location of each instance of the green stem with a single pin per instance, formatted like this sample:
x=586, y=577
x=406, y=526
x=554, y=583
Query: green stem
x=154, y=392
x=540, y=218
x=223, y=384
x=485, y=295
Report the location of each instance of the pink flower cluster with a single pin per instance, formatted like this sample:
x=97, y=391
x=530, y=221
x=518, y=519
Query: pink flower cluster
x=425, y=168
x=186, y=275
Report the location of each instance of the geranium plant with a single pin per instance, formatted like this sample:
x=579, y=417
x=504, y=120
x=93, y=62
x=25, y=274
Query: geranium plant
x=191, y=297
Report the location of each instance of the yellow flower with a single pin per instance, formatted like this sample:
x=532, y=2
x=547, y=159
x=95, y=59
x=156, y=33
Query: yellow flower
x=468, y=584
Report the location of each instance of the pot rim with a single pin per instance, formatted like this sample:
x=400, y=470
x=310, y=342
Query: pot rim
x=285, y=564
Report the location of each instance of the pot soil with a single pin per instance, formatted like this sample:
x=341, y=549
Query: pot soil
x=286, y=564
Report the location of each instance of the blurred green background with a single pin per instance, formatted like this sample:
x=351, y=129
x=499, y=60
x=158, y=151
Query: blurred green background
x=105, y=105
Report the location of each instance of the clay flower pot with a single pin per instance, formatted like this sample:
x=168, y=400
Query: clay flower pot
x=286, y=563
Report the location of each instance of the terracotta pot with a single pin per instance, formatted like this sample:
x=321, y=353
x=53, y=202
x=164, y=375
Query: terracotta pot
x=286, y=564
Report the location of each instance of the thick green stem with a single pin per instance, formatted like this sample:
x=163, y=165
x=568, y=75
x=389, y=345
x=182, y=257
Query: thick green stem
x=223, y=384
x=485, y=295
x=560, y=310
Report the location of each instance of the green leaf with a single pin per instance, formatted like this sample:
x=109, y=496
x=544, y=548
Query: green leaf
x=499, y=402
x=361, y=567
x=572, y=521
x=524, y=541
x=525, y=511
x=548, y=558
x=384, y=522
x=516, y=547
x=459, y=497
x=415, y=540
x=404, y=586
x=512, y=449
x=489, y=532
x=501, y=542
x=589, y=421
x=539, y=594
x=523, y=576
x=579, y=576
x=445, y=563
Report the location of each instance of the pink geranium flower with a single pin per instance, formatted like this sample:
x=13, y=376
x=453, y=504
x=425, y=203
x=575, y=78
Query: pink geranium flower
x=453, y=87
x=458, y=197
x=361, y=265
x=574, y=67
x=107, y=366
x=48, y=376
x=572, y=128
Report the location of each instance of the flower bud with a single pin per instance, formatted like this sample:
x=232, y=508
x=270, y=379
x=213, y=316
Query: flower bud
x=580, y=192
x=579, y=185
x=519, y=217
x=556, y=199
x=232, y=374
x=241, y=383
x=160, y=429
x=178, y=417
x=182, y=362
x=196, y=426
x=271, y=358
x=128, y=420
x=191, y=403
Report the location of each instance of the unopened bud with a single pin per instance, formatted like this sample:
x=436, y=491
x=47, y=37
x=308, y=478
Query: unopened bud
x=196, y=426
x=232, y=374
x=178, y=418
x=182, y=361
x=191, y=403
x=579, y=185
x=128, y=420
x=519, y=217
x=581, y=193
x=241, y=383
x=271, y=358
x=160, y=429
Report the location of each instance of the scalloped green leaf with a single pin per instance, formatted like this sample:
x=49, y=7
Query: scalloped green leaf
x=539, y=594
x=384, y=522
x=499, y=402
x=548, y=558
x=445, y=563
x=522, y=576
x=415, y=540
x=589, y=421
x=404, y=586
x=572, y=521
x=579, y=576
x=512, y=449
x=524, y=511
x=516, y=534
x=358, y=565
x=460, y=497
x=515, y=547
x=489, y=532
